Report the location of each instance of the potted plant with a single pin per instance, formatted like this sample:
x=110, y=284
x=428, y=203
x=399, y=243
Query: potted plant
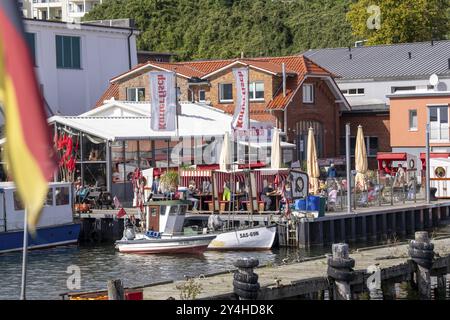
x=169, y=181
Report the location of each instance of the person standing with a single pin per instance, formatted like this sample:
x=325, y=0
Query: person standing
x=156, y=188
x=331, y=174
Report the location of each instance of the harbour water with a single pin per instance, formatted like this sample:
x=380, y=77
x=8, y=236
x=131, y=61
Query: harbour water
x=47, y=269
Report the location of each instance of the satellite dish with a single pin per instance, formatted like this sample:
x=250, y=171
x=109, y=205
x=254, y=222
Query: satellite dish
x=434, y=80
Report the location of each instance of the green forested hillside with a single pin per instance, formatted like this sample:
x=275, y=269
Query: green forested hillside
x=199, y=29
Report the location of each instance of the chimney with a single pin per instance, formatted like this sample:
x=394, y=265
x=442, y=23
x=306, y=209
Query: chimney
x=432, y=42
x=351, y=56
x=448, y=63
x=242, y=54
x=283, y=66
x=409, y=55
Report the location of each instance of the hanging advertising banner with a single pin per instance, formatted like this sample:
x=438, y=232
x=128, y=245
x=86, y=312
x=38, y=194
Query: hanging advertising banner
x=240, y=118
x=163, y=101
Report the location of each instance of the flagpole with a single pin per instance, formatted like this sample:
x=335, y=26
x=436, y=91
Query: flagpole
x=24, y=256
x=177, y=123
x=248, y=116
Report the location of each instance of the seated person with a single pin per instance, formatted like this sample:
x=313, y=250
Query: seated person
x=192, y=189
x=207, y=187
x=156, y=185
x=266, y=196
x=226, y=192
x=332, y=198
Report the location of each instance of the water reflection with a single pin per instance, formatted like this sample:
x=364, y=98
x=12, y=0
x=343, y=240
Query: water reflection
x=47, y=268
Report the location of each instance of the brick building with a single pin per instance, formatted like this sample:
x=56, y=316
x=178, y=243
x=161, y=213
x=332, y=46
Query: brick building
x=310, y=97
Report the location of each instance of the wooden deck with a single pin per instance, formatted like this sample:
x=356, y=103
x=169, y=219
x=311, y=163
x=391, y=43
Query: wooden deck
x=299, y=278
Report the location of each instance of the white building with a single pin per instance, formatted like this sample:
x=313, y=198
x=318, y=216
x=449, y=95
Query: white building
x=64, y=10
x=74, y=62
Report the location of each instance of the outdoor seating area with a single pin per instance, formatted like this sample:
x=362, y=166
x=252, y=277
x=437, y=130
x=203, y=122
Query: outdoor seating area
x=88, y=198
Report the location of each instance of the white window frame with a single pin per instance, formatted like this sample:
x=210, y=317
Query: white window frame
x=221, y=93
x=412, y=128
x=443, y=127
x=346, y=92
x=136, y=89
x=253, y=91
x=199, y=99
x=311, y=86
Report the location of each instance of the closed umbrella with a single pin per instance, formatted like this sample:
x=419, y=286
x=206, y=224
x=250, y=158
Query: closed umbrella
x=275, y=157
x=225, y=153
x=312, y=164
x=360, y=160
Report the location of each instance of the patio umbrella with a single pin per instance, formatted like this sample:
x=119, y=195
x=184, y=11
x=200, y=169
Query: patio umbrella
x=312, y=163
x=225, y=153
x=360, y=160
x=275, y=157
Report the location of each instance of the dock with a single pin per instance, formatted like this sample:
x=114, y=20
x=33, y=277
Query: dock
x=309, y=277
x=362, y=225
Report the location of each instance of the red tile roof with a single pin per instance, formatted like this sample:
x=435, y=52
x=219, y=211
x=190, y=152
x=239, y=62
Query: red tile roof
x=111, y=92
x=297, y=67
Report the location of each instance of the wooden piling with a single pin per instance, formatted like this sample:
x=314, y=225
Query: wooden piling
x=340, y=269
x=115, y=290
x=421, y=252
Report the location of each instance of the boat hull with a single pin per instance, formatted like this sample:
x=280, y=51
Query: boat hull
x=45, y=237
x=188, y=244
x=257, y=238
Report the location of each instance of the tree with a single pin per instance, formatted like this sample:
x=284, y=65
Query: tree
x=397, y=21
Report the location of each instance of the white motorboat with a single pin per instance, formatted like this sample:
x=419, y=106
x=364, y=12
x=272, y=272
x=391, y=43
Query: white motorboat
x=248, y=238
x=164, y=232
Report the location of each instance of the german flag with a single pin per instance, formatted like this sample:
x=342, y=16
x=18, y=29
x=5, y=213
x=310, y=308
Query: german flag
x=28, y=151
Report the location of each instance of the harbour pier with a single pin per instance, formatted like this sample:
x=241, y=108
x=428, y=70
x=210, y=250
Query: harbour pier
x=362, y=225
x=367, y=273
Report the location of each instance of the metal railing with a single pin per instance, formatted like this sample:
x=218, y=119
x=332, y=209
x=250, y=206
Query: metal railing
x=380, y=192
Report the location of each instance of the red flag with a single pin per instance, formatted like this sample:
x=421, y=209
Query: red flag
x=121, y=213
x=29, y=152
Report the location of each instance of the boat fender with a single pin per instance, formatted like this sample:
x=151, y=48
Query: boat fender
x=130, y=234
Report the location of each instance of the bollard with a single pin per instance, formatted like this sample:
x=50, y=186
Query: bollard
x=340, y=269
x=421, y=252
x=374, y=282
x=245, y=281
x=115, y=290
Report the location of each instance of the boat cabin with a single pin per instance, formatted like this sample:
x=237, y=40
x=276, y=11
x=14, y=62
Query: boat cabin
x=57, y=209
x=166, y=216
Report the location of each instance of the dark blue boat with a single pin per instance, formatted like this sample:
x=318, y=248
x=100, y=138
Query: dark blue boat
x=55, y=227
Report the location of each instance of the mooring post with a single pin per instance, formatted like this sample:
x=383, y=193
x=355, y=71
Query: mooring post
x=115, y=290
x=421, y=252
x=441, y=287
x=340, y=269
x=245, y=281
x=373, y=282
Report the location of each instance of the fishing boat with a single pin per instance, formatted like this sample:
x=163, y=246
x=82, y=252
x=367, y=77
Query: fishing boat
x=163, y=231
x=55, y=227
x=247, y=238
